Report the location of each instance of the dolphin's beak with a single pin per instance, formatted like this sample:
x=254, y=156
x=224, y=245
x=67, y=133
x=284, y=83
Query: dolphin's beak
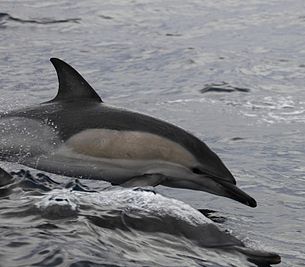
x=215, y=186
x=178, y=176
x=232, y=191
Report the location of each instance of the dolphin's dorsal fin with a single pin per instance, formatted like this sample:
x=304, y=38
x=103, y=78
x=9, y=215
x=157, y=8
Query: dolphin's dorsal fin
x=5, y=178
x=72, y=86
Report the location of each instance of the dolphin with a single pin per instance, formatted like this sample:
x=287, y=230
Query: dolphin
x=139, y=210
x=76, y=134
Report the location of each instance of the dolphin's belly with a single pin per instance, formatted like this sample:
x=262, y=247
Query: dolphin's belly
x=67, y=162
x=23, y=137
x=129, y=145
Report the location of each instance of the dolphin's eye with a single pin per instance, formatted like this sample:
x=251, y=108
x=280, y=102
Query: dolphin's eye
x=196, y=170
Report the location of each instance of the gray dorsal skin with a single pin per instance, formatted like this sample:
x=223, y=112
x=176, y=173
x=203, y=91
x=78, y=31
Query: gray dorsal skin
x=75, y=134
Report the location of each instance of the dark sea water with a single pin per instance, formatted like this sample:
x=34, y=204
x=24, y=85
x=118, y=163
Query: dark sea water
x=232, y=72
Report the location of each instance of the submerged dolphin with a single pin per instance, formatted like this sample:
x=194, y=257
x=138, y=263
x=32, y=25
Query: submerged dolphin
x=76, y=134
x=143, y=210
x=130, y=210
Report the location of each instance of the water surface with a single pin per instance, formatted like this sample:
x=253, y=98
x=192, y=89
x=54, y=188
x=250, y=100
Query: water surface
x=231, y=72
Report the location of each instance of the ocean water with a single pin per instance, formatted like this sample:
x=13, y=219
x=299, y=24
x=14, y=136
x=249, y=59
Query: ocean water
x=231, y=72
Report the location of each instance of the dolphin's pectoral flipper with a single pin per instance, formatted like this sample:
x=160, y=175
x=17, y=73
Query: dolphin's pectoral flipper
x=153, y=179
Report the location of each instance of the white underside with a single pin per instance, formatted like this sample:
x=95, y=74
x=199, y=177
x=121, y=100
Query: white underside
x=117, y=156
x=113, y=170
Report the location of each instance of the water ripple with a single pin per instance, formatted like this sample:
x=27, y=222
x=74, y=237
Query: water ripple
x=5, y=18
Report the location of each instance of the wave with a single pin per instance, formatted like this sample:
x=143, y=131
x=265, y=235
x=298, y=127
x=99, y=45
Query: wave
x=223, y=87
x=5, y=17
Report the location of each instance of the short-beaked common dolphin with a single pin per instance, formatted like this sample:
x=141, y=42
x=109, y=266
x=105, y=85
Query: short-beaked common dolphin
x=136, y=210
x=146, y=211
x=76, y=134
